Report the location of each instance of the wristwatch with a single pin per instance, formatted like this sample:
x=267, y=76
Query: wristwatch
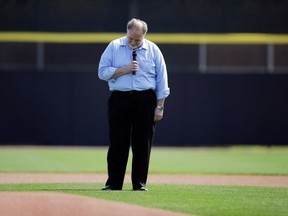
x=160, y=108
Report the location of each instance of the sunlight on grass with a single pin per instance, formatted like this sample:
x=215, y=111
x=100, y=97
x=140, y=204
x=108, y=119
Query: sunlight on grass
x=192, y=199
x=231, y=160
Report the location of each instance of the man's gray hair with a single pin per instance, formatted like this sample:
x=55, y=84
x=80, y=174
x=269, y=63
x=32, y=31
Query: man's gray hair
x=137, y=23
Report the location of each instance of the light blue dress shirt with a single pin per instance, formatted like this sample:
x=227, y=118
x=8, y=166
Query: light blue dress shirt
x=152, y=72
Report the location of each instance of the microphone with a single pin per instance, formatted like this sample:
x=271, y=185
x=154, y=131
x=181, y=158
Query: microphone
x=134, y=54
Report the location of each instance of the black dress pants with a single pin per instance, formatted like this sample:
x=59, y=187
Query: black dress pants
x=131, y=123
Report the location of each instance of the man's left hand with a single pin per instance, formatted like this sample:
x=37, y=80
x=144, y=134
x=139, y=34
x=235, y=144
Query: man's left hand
x=158, y=114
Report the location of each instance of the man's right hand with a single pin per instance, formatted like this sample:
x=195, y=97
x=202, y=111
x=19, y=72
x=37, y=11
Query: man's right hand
x=132, y=66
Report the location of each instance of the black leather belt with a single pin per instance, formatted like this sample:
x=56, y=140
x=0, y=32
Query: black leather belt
x=133, y=92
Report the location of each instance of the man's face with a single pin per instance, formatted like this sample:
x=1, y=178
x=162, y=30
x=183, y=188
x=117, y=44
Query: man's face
x=135, y=38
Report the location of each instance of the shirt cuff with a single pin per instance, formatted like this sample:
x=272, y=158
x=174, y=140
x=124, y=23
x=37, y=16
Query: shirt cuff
x=163, y=94
x=109, y=73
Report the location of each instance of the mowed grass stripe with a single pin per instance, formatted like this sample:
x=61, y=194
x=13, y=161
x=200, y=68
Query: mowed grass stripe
x=192, y=199
x=232, y=160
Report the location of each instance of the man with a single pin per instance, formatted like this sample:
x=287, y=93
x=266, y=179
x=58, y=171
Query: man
x=137, y=77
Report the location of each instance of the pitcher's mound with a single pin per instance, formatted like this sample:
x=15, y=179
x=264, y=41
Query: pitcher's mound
x=58, y=204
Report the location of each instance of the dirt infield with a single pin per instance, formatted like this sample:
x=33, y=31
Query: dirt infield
x=58, y=204
x=54, y=204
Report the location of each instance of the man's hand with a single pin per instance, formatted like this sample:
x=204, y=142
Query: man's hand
x=132, y=66
x=158, y=114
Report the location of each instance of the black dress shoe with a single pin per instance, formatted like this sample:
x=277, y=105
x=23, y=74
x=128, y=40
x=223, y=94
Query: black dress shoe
x=107, y=188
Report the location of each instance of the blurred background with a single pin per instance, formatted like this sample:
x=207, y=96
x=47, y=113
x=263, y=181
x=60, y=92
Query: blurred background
x=225, y=88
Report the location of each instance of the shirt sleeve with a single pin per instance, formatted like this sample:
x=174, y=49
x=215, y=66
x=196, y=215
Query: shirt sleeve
x=105, y=69
x=162, y=89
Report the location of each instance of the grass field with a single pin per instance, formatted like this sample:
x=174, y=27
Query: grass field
x=233, y=160
x=193, y=199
